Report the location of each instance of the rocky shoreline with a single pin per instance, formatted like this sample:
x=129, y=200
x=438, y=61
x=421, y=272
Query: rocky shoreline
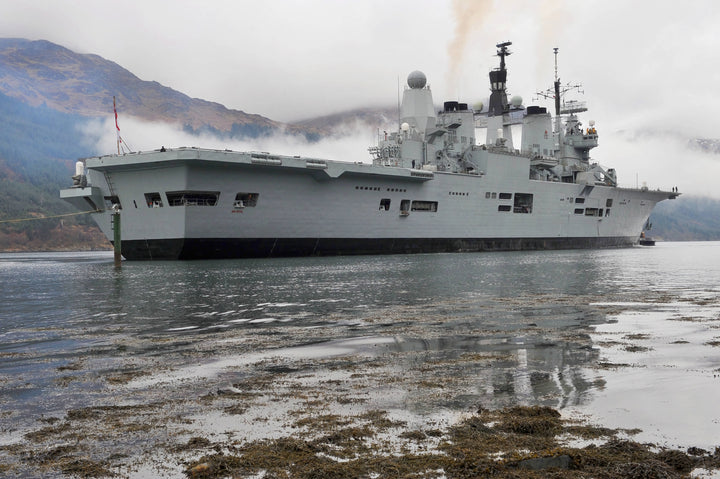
x=292, y=401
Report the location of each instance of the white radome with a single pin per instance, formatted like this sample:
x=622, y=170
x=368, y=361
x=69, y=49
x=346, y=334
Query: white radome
x=416, y=80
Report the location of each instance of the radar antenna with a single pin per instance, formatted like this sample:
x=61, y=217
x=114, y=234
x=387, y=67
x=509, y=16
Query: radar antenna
x=558, y=92
x=503, y=52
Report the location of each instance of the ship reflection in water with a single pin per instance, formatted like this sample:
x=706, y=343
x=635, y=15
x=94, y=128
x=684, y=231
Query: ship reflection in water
x=495, y=356
x=527, y=371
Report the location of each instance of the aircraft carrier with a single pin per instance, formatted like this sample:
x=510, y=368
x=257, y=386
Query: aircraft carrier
x=431, y=187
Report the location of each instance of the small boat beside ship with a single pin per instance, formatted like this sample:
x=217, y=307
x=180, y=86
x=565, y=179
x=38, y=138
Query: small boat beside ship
x=646, y=240
x=431, y=187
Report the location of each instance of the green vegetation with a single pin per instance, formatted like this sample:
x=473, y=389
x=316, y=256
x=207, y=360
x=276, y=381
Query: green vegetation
x=38, y=149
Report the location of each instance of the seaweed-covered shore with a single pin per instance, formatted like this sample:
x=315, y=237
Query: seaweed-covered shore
x=388, y=394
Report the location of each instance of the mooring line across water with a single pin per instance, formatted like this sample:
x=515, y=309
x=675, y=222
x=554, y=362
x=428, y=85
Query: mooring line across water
x=19, y=220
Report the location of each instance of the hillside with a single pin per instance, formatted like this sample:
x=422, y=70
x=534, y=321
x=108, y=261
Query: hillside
x=688, y=218
x=48, y=94
x=42, y=73
x=336, y=123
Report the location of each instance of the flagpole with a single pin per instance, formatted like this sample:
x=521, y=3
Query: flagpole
x=117, y=128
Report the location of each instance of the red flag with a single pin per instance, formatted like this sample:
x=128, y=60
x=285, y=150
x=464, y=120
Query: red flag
x=115, y=110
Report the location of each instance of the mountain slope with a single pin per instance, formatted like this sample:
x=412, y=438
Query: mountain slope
x=48, y=94
x=688, y=218
x=43, y=73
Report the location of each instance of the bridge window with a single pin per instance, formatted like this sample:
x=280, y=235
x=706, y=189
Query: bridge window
x=192, y=198
x=112, y=200
x=523, y=203
x=243, y=200
x=418, y=205
x=385, y=204
x=153, y=200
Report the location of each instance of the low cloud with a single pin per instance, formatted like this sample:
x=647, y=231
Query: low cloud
x=351, y=144
x=660, y=160
x=656, y=159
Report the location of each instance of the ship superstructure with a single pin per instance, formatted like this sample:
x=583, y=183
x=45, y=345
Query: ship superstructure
x=431, y=187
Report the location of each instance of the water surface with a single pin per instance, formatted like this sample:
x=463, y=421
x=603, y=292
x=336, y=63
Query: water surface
x=628, y=337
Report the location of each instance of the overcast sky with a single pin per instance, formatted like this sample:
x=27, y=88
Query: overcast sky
x=644, y=65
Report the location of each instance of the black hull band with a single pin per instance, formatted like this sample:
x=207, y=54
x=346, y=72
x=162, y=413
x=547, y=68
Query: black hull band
x=225, y=248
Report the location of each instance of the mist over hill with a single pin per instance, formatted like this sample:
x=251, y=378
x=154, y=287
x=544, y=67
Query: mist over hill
x=49, y=97
x=688, y=218
x=52, y=99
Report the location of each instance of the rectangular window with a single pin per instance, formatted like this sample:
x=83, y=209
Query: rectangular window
x=385, y=204
x=110, y=201
x=607, y=212
x=494, y=195
x=591, y=211
x=404, y=206
x=523, y=203
x=608, y=203
x=243, y=200
x=487, y=195
x=424, y=205
x=153, y=200
x=579, y=211
x=579, y=200
x=505, y=196
x=192, y=198
x=504, y=207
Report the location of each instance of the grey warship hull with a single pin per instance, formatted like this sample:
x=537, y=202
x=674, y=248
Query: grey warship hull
x=192, y=204
x=430, y=188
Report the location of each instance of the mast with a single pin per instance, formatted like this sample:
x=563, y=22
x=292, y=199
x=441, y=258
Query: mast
x=557, y=92
x=557, y=85
x=498, y=104
x=117, y=127
x=499, y=122
x=558, y=122
x=120, y=142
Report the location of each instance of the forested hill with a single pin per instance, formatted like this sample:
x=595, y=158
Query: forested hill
x=688, y=218
x=48, y=94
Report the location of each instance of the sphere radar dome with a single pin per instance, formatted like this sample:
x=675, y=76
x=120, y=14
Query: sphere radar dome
x=416, y=80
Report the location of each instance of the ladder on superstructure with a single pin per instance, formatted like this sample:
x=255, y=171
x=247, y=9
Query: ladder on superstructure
x=108, y=180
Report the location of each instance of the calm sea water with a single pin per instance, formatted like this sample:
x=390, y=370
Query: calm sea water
x=56, y=307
